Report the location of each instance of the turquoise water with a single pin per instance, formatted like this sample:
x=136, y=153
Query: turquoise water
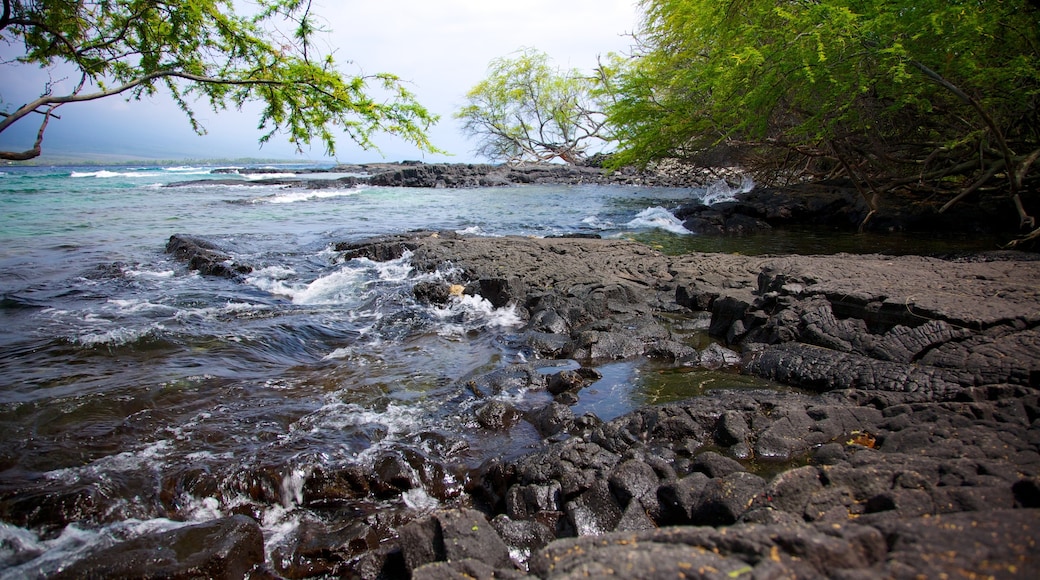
x=138, y=395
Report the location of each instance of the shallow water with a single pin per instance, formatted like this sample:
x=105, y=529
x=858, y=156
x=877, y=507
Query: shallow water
x=137, y=395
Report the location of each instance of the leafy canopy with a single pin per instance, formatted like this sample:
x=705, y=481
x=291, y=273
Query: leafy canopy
x=528, y=110
x=938, y=91
x=202, y=51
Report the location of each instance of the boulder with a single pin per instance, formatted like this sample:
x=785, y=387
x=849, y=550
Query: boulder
x=230, y=547
x=205, y=256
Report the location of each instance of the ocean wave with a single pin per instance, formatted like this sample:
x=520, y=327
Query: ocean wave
x=121, y=336
x=596, y=222
x=467, y=313
x=658, y=218
x=722, y=191
x=307, y=195
x=105, y=174
x=339, y=287
x=259, y=176
x=27, y=555
x=188, y=170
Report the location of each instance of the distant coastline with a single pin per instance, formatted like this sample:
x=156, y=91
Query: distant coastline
x=110, y=161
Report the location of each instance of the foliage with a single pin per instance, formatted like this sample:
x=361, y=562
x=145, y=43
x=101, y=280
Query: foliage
x=527, y=110
x=202, y=51
x=939, y=95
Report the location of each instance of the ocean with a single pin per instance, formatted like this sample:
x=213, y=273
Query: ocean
x=137, y=395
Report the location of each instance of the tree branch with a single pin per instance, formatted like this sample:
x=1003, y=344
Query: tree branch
x=5, y=17
x=37, y=146
x=1024, y=218
x=78, y=98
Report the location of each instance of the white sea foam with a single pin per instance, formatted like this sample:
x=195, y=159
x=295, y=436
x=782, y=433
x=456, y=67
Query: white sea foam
x=391, y=424
x=138, y=306
x=417, y=499
x=306, y=195
x=598, y=223
x=341, y=286
x=200, y=509
x=258, y=176
x=116, y=336
x=658, y=218
x=24, y=555
x=346, y=285
x=188, y=170
x=150, y=274
x=721, y=190
x=151, y=457
x=105, y=174
x=465, y=313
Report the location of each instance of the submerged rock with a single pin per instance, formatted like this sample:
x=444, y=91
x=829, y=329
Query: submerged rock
x=224, y=548
x=205, y=256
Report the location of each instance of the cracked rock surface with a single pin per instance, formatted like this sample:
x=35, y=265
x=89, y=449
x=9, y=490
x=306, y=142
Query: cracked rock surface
x=908, y=445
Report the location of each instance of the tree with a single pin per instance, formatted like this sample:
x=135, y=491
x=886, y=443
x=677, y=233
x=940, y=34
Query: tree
x=202, y=51
x=941, y=97
x=527, y=110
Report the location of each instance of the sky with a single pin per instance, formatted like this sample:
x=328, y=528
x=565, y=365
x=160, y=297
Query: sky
x=440, y=47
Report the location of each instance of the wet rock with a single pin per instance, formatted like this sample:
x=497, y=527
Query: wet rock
x=572, y=380
x=527, y=501
x=545, y=344
x=223, y=548
x=497, y=416
x=715, y=356
x=727, y=312
x=732, y=431
x=723, y=500
x=720, y=219
x=326, y=486
x=595, y=510
x=678, y=499
x=565, y=381
x=509, y=379
x=205, y=256
x=392, y=475
x=915, y=399
x=715, y=465
x=468, y=568
x=450, y=536
x=432, y=292
x=632, y=480
x=551, y=419
x=524, y=536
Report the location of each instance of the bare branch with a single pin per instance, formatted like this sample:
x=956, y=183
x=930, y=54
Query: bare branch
x=37, y=146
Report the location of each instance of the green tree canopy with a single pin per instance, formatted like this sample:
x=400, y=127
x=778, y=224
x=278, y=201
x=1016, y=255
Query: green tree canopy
x=528, y=110
x=201, y=51
x=937, y=95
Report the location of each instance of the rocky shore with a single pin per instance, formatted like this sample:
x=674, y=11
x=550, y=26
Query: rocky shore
x=836, y=204
x=908, y=447
x=904, y=442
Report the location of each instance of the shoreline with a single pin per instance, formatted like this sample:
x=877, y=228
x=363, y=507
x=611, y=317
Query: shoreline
x=919, y=445
x=743, y=210
x=910, y=444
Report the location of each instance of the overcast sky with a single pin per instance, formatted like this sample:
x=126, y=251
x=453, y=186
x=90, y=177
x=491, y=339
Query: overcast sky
x=441, y=47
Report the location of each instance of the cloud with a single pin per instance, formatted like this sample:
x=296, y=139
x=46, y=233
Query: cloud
x=441, y=48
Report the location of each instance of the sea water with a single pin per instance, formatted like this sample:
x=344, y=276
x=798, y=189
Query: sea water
x=137, y=395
